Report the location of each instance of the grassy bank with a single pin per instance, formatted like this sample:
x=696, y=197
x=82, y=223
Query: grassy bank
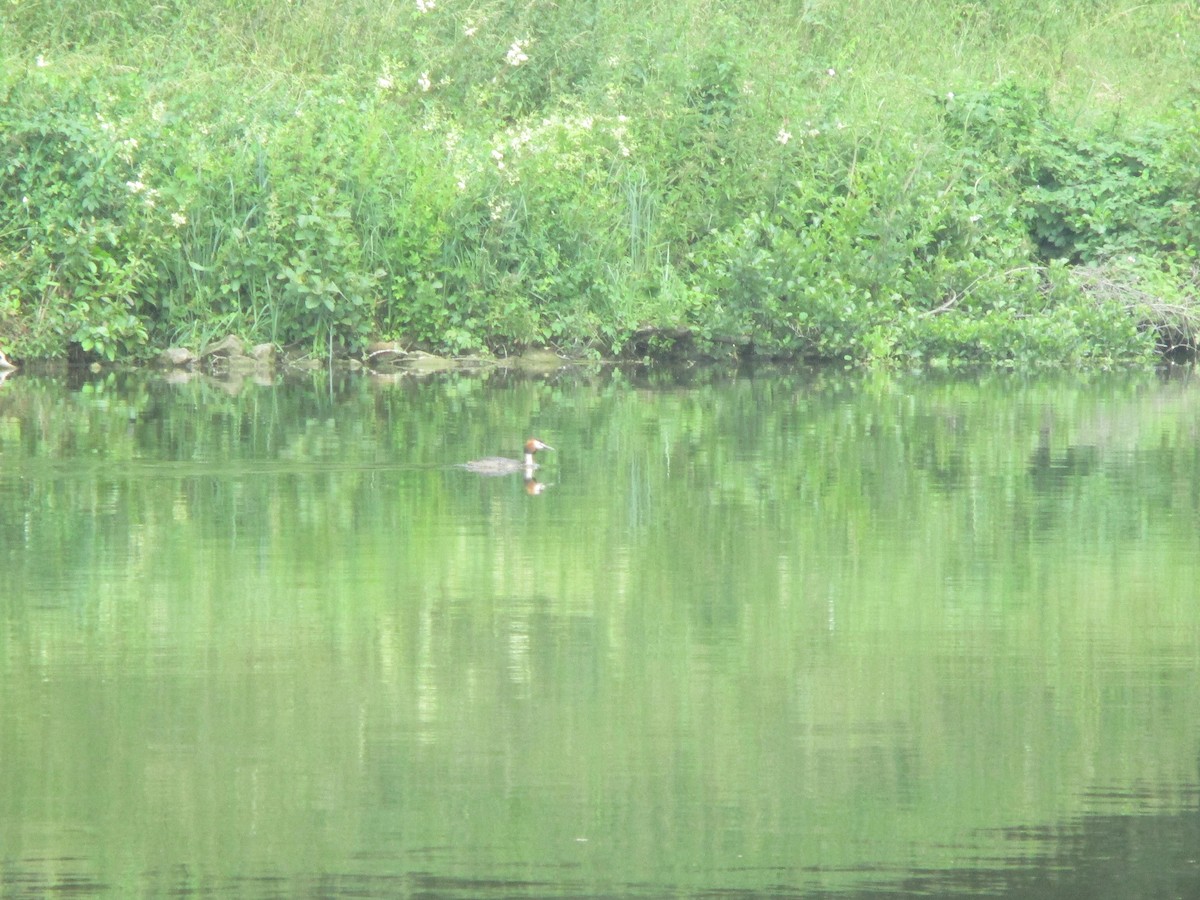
x=872, y=181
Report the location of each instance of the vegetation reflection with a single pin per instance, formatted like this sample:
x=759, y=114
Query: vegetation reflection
x=771, y=629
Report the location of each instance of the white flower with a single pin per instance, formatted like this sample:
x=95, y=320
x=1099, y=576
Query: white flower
x=178, y=219
x=424, y=6
x=135, y=187
x=384, y=82
x=831, y=72
x=40, y=62
x=469, y=30
x=423, y=81
x=784, y=135
x=516, y=53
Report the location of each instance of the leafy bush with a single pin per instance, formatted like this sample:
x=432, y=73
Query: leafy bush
x=84, y=219
x=491, y=176
x=1086, y=193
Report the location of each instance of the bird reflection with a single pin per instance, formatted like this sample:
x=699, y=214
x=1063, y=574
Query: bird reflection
x=533, y=487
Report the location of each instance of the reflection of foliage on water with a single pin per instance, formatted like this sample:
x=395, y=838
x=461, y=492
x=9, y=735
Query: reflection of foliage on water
x=843, y=602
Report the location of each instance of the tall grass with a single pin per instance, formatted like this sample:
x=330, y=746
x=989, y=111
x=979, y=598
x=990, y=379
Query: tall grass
x=799, y=177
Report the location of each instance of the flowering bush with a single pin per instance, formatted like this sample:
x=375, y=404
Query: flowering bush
x=490, y=176
x=87, y=215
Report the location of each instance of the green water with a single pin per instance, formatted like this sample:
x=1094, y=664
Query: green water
x=786, y=635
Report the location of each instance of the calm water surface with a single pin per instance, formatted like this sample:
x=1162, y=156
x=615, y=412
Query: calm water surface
x=790, y=635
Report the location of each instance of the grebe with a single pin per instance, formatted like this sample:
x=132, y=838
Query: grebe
x=500, y=465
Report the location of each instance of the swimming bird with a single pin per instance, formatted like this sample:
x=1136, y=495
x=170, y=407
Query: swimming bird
x=501, y=465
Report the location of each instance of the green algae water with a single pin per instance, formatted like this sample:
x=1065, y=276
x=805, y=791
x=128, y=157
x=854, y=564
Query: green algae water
x=811, y=635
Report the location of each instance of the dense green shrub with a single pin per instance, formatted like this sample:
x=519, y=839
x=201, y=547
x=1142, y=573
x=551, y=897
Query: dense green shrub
x=83, y=219
x=1087, y=192
x=490, y=177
